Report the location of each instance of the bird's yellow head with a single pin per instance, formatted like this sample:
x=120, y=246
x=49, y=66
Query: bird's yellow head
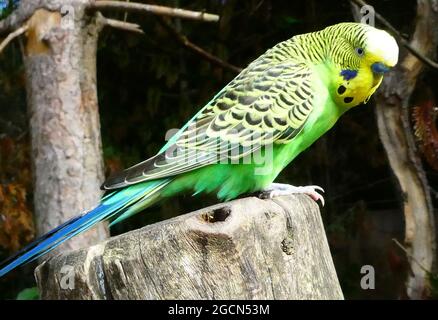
x=361, y=55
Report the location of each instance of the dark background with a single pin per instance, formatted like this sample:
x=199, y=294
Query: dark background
x=148, y=84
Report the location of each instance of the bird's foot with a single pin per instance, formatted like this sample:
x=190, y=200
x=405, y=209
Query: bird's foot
x=281, y=189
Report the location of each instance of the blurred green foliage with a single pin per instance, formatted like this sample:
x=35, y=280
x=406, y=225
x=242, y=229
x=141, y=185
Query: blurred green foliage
x=29, y=294
x=6, y=7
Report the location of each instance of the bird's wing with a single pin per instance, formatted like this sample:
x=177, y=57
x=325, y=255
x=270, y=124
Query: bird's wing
x=264, y=104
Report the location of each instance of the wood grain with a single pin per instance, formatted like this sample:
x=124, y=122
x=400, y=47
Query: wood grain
x=245, y=249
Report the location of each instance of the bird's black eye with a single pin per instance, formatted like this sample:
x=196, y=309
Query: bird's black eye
x=359, y=51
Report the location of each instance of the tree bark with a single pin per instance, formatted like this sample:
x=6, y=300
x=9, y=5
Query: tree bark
x=393, y=109
x=244, y=249
x=60, y=63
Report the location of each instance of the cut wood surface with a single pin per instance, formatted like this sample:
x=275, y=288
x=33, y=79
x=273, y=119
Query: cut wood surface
x=244, y=249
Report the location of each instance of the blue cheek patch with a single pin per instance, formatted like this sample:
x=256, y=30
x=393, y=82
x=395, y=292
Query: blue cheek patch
x=348, y=74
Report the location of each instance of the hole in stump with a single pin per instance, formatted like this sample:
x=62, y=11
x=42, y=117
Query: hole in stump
x=217, y=215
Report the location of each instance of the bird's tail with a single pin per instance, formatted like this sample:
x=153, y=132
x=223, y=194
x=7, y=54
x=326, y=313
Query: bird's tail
x=116, y=206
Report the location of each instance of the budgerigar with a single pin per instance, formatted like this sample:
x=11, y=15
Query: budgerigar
x=274, y=109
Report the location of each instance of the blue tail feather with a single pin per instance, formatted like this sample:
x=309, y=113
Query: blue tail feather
x=110, y=207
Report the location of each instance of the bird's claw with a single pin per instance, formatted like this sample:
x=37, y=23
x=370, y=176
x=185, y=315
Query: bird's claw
x=277, y=189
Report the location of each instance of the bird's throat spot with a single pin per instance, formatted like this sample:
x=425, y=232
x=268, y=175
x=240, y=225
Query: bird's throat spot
x=341, y=89
x=348, y=99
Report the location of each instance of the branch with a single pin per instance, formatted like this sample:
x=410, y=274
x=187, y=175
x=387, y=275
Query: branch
x=24, y=11
x=126, y=26
x=399, y=37
x=154, y=9
x=12, y=36
x=196, y=49
x=409, y=255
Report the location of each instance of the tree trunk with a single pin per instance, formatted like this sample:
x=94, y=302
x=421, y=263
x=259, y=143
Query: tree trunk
x=393, y=108
x=244, y=249
x=64, y=119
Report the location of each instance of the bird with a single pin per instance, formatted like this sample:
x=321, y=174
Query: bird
x=241, y=140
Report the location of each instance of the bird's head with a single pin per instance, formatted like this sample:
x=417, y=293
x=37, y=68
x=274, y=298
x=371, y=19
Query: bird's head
x=380, y=52
x=362, y=54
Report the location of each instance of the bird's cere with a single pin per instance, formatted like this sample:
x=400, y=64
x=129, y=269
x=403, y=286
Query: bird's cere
x=379, y=68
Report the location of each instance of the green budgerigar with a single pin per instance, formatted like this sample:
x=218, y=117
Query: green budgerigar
x=255, y=126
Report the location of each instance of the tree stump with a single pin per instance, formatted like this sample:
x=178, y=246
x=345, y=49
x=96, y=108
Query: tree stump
x=244, y=249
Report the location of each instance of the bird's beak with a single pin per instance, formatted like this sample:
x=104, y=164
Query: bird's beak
x=379, y=68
